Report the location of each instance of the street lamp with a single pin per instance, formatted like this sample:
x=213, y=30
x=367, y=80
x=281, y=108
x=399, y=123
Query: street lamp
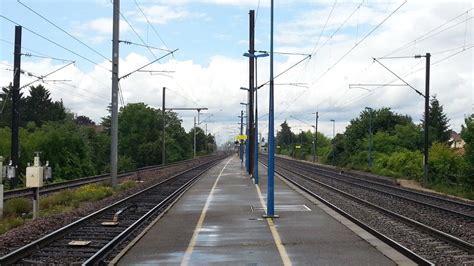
x=256, y=56
x=369, y=155
x=333, y=140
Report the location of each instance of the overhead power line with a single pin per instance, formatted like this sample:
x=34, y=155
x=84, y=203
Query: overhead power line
x=344, y=55
x=44, y=76
x=356, y=44
x=142, y=45
x=64, y=31
x=24, y=48
x=138, y=35
x=46, y=57
x=340, y=26
x=151, y=25
x=433, y=32
x=55, y=43
x=324, y=27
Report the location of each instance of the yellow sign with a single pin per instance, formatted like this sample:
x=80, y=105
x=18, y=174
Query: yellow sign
x=298, y=147
x=241, y=137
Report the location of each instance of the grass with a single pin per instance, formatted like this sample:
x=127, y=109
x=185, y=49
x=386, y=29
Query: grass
x=459, y=191
x=18, y=210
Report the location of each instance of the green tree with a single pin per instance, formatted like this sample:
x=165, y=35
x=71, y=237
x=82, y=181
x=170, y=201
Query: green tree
x=285, y=137
x=38, y=107
x=438, y=123
x=83, y=120
x=139, y=134
x=467, y=133
x=382, y=120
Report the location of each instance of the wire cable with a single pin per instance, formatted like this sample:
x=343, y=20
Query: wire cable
x=324, y=27
x=64, y=31
x=55, y=43
x=138, y=35
x=151, y=25
x=340, y=26
x=355, y=45
x=430, y=33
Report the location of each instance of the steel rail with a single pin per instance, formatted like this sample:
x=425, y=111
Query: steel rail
x=104, y=251
x=24, y=251
x=410, y=191
x=387, y=240
x=55, y=187
x=336, y=177
x=427, y=229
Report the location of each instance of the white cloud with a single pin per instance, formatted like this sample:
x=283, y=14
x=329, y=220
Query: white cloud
x=99, y=30
x=216, y=85
x=163, y=14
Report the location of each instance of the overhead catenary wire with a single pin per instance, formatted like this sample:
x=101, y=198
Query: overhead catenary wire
x=356, y=44
x=64, y=31
x=340, y=26
x=324, y=27
x=151, y=25
x=431, y=33
x=426, y=35
x=406, y=75
x=44, y=76
x=24, y=48
x=47, y=57
x=344, y=55
x=142, y=45
x=138, y=35
x=55, y=43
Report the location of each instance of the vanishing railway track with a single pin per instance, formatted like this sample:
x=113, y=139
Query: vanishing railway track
x=409, y=221
x=92, y=239
x=55, y=187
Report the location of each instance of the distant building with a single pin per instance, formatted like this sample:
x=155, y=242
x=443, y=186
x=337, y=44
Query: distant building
x=456, y=141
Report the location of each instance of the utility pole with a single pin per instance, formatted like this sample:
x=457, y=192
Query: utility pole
x=251, y=137
x=333, y=140
x=115, y=79
x=16, y=104
x=315, y=142
x=163, y=110
x=271, y=134
x=194, y=149
x=369, y=154
x=427, y=118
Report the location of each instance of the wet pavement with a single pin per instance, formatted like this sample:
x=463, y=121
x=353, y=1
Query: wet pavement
x=219, y=221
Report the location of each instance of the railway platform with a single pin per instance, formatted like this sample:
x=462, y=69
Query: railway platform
x=219, y=221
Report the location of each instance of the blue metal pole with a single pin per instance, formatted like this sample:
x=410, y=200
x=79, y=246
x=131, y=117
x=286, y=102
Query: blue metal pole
x=255, y=167
x=247, y=157
x=271, y=141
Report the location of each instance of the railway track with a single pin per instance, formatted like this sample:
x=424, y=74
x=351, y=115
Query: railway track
x=55, y=187
x=92, y=239
x=389, y=215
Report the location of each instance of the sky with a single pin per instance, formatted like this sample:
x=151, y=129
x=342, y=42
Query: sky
x=209, y=68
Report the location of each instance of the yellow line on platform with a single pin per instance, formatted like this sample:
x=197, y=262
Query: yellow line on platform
x=192, y=242
x=276, y=237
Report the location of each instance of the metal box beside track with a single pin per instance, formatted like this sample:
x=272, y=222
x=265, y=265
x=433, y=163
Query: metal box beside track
x=34, y=174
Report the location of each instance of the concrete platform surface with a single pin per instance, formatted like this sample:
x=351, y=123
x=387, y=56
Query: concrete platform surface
x=219, y=221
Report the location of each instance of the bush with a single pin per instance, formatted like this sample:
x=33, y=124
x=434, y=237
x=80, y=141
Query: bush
x=9, y=223
x=16, y=207
x=92, y=192
x=126, y=185
x=61, y=198
x=400, y=164
x=445, y=165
